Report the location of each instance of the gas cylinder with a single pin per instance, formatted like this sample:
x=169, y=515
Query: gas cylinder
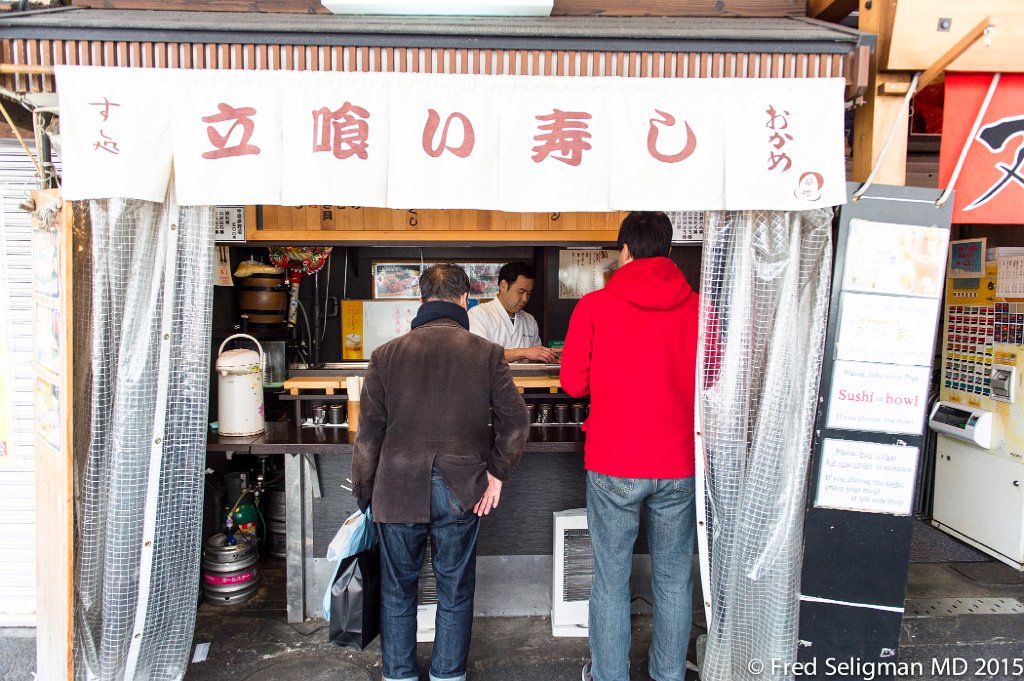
x=240, y=389
x=238, y=505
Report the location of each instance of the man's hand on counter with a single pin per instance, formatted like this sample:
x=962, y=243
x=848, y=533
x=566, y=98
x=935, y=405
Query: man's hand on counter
x=537, y=353
x=490, y=498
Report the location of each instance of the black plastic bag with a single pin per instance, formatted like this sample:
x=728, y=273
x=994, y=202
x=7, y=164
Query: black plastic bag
x=355, y=600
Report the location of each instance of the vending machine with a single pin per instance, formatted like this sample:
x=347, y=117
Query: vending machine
x=979, y=418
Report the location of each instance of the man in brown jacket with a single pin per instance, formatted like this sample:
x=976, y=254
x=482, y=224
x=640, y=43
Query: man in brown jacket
x=425, y=459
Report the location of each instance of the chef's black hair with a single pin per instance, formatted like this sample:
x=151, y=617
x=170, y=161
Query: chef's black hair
x=647, y=233
x=513, y=270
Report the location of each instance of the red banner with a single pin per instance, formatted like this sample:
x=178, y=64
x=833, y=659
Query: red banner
x=990, y=188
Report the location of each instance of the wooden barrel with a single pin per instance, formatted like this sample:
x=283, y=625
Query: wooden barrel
x=264, y=297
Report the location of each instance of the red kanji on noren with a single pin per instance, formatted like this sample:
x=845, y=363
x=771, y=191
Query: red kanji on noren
x=242, y=117
x=652, y=139
x=565, y=134
x=344, y=132
x=430, y=129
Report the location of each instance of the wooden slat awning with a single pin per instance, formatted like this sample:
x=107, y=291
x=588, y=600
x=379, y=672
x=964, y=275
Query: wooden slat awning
x=690, y=47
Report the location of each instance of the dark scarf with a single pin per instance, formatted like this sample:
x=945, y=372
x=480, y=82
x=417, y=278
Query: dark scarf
x=440, y=309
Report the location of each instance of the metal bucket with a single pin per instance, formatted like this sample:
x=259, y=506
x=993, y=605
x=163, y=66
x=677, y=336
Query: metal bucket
x=230, y=573
x=277, y=537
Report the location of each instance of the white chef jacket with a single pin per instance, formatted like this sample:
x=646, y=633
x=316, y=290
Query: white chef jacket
x=491, y=321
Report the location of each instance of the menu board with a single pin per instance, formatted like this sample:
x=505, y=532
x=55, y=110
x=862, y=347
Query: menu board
x=582, y=271
x=401, y=280
x=368, y=324
x=867, y=476
x=687, y=225
x=1010, y=280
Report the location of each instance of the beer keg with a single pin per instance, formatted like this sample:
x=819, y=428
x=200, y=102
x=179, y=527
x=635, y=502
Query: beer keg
x=230, y=571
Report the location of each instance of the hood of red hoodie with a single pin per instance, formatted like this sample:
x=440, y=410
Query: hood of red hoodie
x=652, y=283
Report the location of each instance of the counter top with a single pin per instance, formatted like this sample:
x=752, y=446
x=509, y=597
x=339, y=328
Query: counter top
x=283, y=437
x=358, y=368
x=215, y=442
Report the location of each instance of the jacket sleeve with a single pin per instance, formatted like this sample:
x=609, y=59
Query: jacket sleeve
x=579, y=343
x=373, y=416
x=511, y=423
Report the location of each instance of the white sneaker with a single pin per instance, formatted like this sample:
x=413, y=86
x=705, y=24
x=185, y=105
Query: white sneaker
x=587, y=675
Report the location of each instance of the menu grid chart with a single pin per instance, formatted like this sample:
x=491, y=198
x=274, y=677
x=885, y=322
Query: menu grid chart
x=969, y=338
x=1010, y=323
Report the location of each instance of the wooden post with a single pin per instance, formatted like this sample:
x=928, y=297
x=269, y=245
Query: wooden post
x=53, y=444
x=873, y=120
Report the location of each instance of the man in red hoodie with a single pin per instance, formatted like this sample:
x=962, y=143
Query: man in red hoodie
x=632, y=347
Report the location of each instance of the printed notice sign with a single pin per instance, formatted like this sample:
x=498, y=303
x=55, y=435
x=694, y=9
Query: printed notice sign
x=878, y=397
x=887, y=329
x=867, y=476
x=1010, y=277
x=967, y=259
x=883, y=257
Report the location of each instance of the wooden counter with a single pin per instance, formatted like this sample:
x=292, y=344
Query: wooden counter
x=282, y=437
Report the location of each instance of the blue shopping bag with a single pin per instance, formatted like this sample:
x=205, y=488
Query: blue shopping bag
x=356, y=535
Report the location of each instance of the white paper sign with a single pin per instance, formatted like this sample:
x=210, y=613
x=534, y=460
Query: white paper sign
x=784, y=144
x=115, y=133
x=385, y=320
x=555, y=146
x=445, y=141
x=227, y=137
x=336, y=140
x=1010, y=277
x=582, y=271
x=878, y=397
x=665, y=136
x=891, y=329
x=866, y=476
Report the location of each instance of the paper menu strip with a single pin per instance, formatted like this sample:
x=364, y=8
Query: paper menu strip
x=1010, y=277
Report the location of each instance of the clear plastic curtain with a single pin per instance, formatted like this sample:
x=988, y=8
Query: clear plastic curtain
x=765, y=284
x=140, y=466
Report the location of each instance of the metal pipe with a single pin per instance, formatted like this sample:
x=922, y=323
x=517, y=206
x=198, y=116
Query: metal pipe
x=317, y=322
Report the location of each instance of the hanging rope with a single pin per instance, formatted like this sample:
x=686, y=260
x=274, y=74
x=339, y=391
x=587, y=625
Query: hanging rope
x=888, y=140
x=39, y=168
x=967, y=143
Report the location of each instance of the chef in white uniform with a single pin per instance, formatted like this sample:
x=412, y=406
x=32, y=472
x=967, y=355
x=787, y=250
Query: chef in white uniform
x=503, y=321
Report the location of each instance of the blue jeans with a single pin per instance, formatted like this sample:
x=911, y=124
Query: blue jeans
x=613, y=519
x=453, y=532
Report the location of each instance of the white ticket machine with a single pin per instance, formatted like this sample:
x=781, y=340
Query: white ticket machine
x=962, y=422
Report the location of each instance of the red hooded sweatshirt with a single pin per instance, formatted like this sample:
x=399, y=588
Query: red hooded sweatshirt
x=632, y=347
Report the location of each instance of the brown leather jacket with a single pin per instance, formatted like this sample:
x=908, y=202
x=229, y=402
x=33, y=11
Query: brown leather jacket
x=425, y=403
